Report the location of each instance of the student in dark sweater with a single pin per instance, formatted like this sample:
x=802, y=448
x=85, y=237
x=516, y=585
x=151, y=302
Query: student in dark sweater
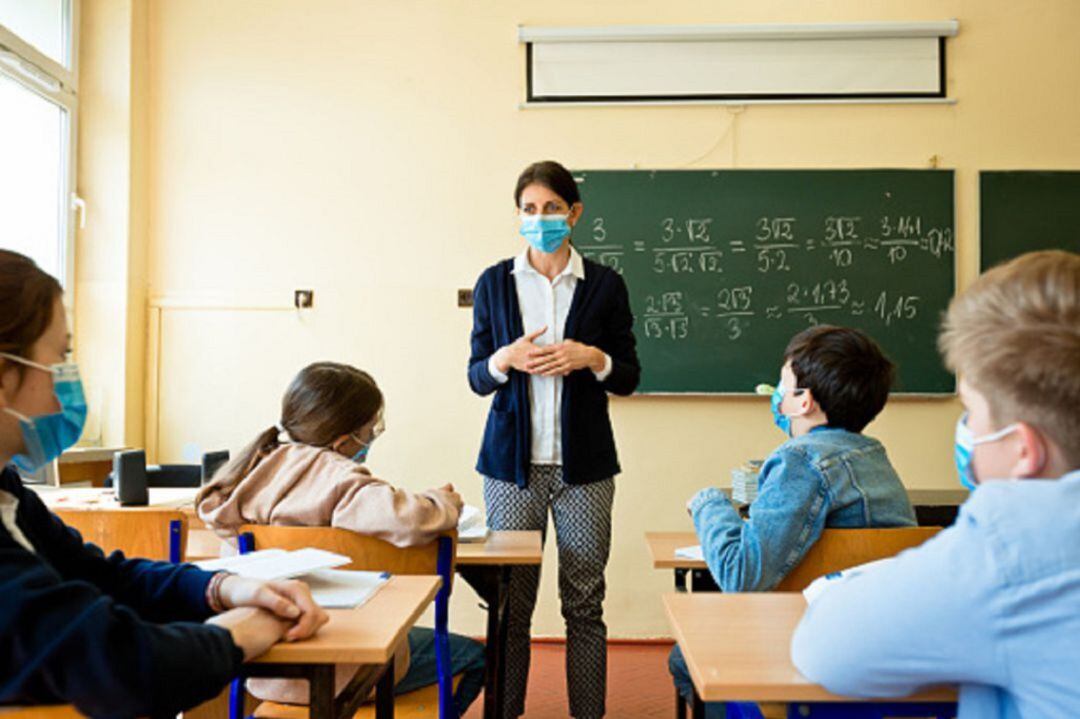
x=116, y=637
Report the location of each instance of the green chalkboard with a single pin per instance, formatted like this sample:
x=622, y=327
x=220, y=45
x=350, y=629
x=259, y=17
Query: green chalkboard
x=724, y=266
x=1023, y=211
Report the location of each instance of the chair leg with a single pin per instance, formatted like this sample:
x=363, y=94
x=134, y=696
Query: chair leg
x=447, y=708
x=236, y=699
x=174, y=541
x=680, y=705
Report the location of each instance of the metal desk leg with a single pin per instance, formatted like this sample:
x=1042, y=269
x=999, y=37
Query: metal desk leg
x=384, y=693
x=321, y=691
x=680, y=705
x=492, y=583
x=501, y=597
x=697, y=707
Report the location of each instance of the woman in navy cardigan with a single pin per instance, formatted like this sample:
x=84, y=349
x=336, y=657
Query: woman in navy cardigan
x=552, y=335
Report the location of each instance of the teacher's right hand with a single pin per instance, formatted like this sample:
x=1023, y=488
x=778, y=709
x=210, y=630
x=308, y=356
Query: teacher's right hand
x=516, y=354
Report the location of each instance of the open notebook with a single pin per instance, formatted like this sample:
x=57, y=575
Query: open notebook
x=331, y=588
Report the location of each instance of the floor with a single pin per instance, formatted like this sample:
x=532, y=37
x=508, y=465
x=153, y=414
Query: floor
x=639, y=685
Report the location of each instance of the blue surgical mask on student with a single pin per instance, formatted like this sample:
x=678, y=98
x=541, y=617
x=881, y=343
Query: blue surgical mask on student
x=545, y=232
x=365, y=447
x=780, y=419
x=966, y=442
x=361, y=456
x=47, y=436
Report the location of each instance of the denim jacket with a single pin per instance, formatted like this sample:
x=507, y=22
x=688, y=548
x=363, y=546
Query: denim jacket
x=829, y=477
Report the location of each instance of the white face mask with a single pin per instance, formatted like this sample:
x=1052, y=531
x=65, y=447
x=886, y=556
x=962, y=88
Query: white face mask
x=966, y=442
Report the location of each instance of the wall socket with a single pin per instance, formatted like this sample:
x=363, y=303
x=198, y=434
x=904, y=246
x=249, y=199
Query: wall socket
x=464, y=298
x=304, y=299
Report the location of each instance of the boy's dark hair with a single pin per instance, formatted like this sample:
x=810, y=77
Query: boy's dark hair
x=848, y=374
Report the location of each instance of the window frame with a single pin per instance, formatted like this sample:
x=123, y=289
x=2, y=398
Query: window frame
x=57, y=83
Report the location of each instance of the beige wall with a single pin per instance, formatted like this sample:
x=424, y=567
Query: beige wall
x=368, y=150
x=110, y=295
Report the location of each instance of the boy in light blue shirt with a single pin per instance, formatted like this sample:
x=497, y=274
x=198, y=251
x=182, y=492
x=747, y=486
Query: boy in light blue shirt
x=834, y=382
x=993, y=602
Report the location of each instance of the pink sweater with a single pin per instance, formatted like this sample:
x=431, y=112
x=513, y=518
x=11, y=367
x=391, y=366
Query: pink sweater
x=301, y=485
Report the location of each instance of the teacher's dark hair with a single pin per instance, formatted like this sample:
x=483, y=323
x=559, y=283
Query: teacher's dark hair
x=551, y=175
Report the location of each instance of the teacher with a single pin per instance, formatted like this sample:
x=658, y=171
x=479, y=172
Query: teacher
x=552, y=335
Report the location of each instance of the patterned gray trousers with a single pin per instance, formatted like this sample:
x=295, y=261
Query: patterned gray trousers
x=582, y=517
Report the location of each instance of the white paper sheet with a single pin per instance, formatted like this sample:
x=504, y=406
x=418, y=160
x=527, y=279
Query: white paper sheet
x=343, y=589
x=695, y=552
x=270, y=564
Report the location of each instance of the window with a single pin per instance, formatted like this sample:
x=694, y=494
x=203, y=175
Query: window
x=38, y=111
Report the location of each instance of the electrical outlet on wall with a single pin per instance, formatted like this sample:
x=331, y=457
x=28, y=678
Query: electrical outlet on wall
x=304, y=299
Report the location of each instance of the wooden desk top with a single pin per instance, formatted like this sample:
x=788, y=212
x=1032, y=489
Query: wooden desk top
x=94, y=498
x=662, y=546
x=502, y=547
x=737, y=647
x=368, y=634
x=44, y=711
x=937, y=497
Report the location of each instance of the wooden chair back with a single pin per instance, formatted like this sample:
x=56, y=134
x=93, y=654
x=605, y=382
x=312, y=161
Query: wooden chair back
x=367, y=553
x=839, y=549
x=159, y=534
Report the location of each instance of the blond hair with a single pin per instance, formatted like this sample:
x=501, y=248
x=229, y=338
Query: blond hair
x=1014, y=335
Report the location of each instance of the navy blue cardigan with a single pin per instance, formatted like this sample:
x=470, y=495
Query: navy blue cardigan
x=115, y=637
x=599, y=316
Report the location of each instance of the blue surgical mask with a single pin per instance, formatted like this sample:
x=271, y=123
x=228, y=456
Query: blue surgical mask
x=780, y=419
x=361, y=456
x=966, y=442
x=545, y=232
x=365, y=447
x=47, y=436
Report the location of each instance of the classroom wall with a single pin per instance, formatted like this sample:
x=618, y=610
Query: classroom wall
x=368, y=150
x=110, y=256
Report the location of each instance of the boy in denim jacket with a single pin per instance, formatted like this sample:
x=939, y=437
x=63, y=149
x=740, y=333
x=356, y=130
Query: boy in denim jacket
x=834, y=381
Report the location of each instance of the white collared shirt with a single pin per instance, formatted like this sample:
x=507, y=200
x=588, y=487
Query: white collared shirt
x=546, y=303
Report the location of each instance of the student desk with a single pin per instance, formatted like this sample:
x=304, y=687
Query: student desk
x=486, y=567
x=91, y=498
x=933, y=508
x=737, y=648
x=367, y=635
x=662, y=546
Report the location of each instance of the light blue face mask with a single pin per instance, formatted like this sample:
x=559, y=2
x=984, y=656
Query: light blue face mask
x=777, y=394
x=365, y=447
x=545, y=232
x=46, y=437
x=361, y=456
x=966, y=442
x=780, y=419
